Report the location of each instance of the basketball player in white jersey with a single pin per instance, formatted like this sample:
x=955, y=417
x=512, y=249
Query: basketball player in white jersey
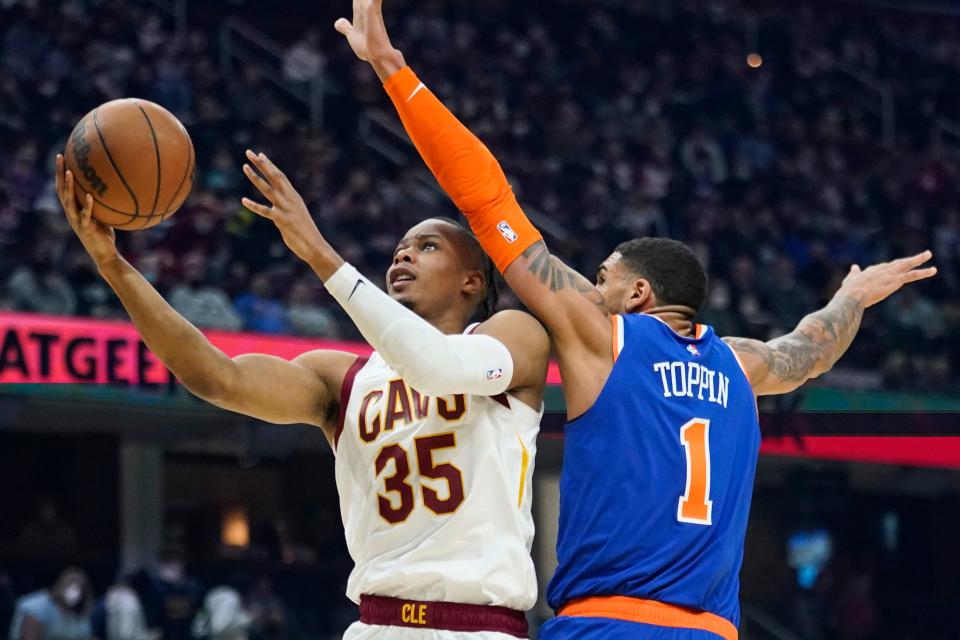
x=434, y=434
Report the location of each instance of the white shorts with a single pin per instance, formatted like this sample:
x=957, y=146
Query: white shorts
x=361, y=631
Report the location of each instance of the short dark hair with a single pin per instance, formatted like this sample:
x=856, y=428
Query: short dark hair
x=674, y=271
x=481, y=262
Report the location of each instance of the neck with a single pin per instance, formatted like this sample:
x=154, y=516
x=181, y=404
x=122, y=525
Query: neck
x=677, y=317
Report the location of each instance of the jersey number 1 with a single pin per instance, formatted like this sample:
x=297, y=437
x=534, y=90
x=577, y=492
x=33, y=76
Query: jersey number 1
x=695, y=505
x=397, y=483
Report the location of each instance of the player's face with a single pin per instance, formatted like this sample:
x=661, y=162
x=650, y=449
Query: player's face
x=621, y=289
x=428, y=274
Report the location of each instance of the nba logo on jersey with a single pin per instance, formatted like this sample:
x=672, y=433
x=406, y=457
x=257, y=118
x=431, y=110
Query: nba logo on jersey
x=693, y=350
x=508, y=233
x=494, y=374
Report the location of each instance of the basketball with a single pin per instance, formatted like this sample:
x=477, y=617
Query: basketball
x=136, y=159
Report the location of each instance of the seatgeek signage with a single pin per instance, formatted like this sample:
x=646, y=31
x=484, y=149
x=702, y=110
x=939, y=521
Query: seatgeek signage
x=45, y=349
x=48, y=349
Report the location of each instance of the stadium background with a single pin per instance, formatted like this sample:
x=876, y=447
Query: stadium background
x=612, y=119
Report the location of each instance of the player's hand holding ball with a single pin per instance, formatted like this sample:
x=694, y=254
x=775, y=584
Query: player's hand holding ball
x=98, y=239
x=135, y=158
x=289, y=213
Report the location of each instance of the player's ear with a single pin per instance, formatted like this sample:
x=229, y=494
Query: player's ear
x=640, y=296
x=473, y=282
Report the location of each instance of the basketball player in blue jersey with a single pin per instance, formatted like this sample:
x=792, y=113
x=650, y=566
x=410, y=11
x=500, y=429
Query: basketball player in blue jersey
x=662, y=435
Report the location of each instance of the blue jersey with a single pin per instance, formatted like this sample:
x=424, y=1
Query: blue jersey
x=658, y=474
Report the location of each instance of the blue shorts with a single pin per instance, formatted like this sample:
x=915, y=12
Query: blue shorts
x=578, y=628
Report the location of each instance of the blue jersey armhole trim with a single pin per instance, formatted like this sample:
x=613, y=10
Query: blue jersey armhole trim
x=606, y=383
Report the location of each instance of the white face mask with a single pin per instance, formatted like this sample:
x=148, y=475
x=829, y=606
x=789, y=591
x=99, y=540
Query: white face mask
x=170, y=572
x=72, y=594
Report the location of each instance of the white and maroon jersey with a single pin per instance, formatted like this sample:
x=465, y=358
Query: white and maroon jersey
x=435, y=493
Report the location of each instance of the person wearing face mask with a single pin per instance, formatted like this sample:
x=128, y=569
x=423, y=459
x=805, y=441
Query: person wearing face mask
x=60, y=613
x=175, y=597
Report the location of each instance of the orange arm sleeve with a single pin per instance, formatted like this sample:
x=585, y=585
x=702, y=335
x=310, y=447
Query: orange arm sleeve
x=465, y=169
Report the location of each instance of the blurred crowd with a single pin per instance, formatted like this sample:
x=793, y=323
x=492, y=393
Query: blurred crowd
x=56, y=587
x=163, y=604
x=612, y=119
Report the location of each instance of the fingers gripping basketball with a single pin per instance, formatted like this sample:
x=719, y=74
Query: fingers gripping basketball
x=136, y=160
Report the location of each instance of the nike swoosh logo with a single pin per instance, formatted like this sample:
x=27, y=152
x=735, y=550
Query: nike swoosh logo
x=416, y=91
x=355, y=287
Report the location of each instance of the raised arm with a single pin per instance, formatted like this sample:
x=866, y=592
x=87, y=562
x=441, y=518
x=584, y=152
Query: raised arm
x=785, y=363
x=508, y=352
x=562, y=298
x=266, y=387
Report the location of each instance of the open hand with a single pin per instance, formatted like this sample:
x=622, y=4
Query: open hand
x=876, y=283
x=368, y=38
x=98, y=239
x=289, y=213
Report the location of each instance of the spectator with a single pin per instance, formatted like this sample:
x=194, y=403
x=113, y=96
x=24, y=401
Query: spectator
x=303, y=61
x=61, y=613
x=718, y=311
x=173, y=599
x=267, y=610
x=22, y=181
x=224, y=174
x=120, y=616
x=260, y=309
x=786, y=298
x=48, y=535
x=170, y=86
x=202, y=304
x=913, y=319
x=223, y=616
x=41, y=289
x=785, y=169
x=703, y=158
x=306, y=316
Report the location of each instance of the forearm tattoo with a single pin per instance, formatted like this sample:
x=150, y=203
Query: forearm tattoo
x=813, y=347
x=551, y=271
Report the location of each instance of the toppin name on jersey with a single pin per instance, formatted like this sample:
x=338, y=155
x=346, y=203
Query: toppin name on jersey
x=692, y=380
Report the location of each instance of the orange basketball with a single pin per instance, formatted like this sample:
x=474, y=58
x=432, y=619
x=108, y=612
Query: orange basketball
x=136, y=159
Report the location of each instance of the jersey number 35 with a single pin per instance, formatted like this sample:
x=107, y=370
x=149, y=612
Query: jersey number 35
x=398, y=508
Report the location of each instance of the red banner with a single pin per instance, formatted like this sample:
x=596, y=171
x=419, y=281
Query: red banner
x=36, y=349
x=922, y=451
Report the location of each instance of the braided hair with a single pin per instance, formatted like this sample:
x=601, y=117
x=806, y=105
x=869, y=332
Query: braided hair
x=488, y=306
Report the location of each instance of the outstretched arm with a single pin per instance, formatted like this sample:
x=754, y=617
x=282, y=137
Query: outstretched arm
x=262, y=386
x=562, y=298
x=488, y=363
x=821, y=338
